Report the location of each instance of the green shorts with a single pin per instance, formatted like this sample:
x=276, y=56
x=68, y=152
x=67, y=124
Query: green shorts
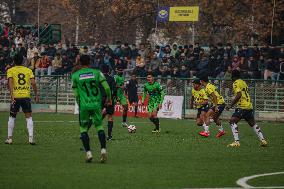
x=122, y=100
x=88, y=117
x=153, y=105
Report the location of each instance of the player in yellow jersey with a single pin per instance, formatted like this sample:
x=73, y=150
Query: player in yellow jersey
x=20, y=80
x=243, y=110
x=218, y=105
x=200, y=99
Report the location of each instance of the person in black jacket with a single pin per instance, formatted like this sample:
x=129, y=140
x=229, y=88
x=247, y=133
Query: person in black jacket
x=131, y=90
x=109, y=110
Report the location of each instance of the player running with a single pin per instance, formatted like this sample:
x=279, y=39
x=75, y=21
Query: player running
x=132, y=92
x=218, y=106
x=156, y=97
x=243, y=110
x=86, y=82
x=20, y=80
x=108, y=110
x=200, y=99
x=119, y=80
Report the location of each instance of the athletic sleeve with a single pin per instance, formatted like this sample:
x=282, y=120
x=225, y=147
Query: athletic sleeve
x=236, y=88
x=101, y=77
x=31, y=74
x=210, y=89
x=9, y=73
x=106, y=88
x=205, y=97
x=75, y=87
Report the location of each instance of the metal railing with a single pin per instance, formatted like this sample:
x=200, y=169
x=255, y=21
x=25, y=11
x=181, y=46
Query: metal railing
x=56, y=91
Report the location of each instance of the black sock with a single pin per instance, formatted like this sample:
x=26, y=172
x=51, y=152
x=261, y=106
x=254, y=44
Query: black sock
x=136, y=110
x=85, y=140
x=109, y=128
x=102, y=138
x=152, y=119
x=124, y=116
x=157, y=123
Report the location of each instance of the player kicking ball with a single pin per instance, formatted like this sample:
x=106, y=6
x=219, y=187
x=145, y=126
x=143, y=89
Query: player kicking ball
x=20, y=80
x=199, y=98
x=243, y=110
x=156, y=97
x=86, y=83
x=218, y=106
x=119, y=80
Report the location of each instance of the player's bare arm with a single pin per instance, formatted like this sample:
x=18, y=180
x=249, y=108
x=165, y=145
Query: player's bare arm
x=10, y=86
x=35, y=90
x=215, y=101
x=236, y=99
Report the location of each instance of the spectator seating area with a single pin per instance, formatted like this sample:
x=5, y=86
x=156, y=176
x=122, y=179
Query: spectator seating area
x=171, y=61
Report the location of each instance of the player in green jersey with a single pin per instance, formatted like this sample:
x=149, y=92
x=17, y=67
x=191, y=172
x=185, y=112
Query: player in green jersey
x=119, y=80
x=156, y=97
x=86, y=82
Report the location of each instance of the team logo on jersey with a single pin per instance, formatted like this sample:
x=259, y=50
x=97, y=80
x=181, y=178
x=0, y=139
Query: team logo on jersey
x=86, y=76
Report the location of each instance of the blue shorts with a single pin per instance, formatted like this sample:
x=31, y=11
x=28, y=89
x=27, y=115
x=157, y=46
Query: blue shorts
x=221, y=108
x=244, y=114
x=24, y=103
x=203, y=108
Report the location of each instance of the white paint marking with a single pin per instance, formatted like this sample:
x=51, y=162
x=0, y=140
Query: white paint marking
x=217, y=188
x=268, y=187
x=243, y=181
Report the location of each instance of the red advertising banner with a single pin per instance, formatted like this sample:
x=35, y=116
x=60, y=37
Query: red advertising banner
x=142, y=110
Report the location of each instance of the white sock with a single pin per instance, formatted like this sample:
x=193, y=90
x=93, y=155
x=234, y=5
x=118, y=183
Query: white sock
x=235, y=131
x=206, y=128
x=30, y=126
x=258, y=132
x=220, y=127
x=11, y=125
x=103, y=151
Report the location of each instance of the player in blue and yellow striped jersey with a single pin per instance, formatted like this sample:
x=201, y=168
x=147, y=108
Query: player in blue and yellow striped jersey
x=243, y=110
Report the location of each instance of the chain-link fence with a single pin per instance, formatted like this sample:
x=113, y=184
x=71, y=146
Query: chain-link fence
x=56, y=93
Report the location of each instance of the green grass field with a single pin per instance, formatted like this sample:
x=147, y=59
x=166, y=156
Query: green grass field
x=176, y=158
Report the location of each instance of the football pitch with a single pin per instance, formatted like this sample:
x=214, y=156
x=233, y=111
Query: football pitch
x=175, y=158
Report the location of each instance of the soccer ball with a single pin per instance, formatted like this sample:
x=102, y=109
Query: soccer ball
x=131, y=129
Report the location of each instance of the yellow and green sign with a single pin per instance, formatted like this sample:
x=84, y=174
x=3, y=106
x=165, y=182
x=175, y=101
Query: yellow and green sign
x=184, y=14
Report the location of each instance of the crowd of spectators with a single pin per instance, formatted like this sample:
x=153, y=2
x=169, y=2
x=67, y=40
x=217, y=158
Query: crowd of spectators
x=174, y=61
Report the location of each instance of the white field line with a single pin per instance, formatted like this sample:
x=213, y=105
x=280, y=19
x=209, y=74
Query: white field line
x=252, y=187
x=217, y=188
x=243, y=181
